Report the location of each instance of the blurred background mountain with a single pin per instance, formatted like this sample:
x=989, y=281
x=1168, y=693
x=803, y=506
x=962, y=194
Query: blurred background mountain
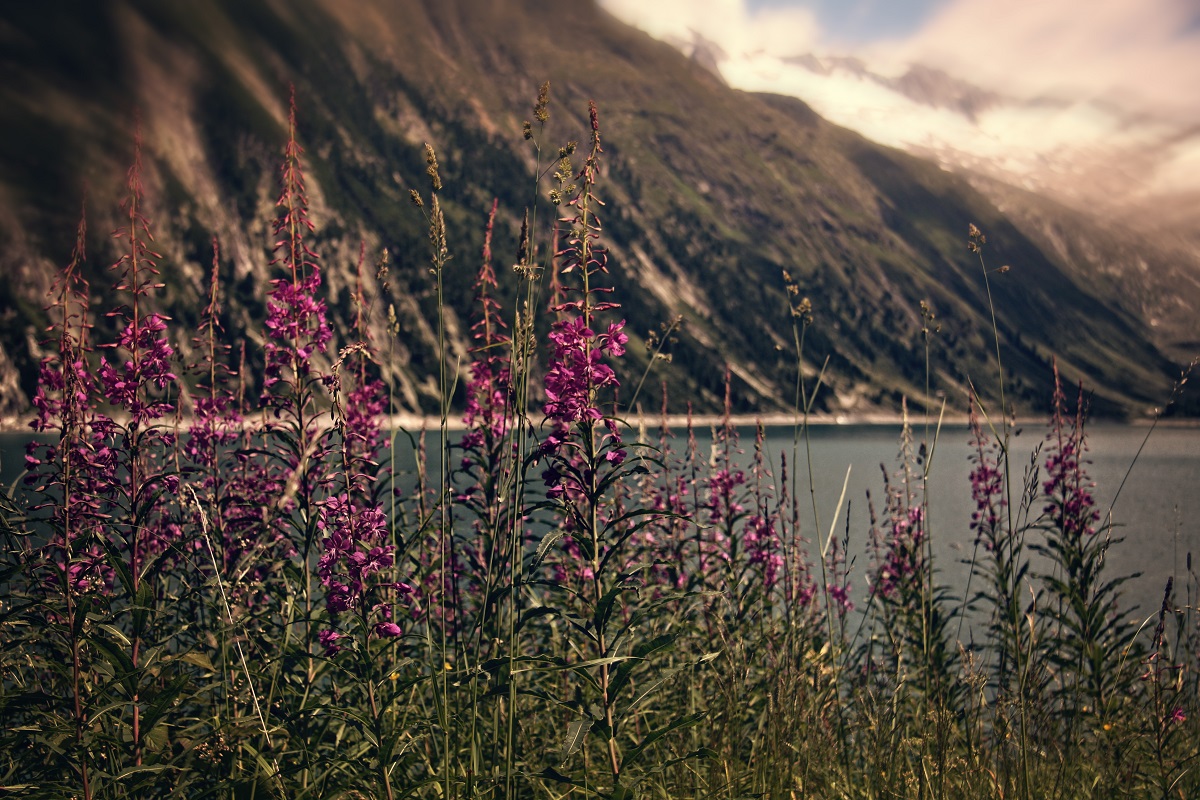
x=711, y=194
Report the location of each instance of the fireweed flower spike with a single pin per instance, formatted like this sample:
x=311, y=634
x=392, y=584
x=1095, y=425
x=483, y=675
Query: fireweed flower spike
x=296, y=324
x=133, y=380
x=1071, y=507
x=486, y=414
x=638, y=593
x=577, y=371
x=130, y=481
x=80, y=474
x=987, y=483
x=899, y=551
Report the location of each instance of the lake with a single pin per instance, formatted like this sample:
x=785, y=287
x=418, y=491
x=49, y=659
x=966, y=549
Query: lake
x=1157, y=512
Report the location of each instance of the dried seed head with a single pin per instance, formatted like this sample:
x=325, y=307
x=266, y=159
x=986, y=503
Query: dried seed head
x=540, y=111
x=805, y=311
x=790, y=285
x=527, y=129
x=564, y=170
x=381, y=266
x=976, y=238
x=437, y=234
x=1004, y=269
x=431, y=168
x=416, y=198
x=523, y=246
x=928, y=320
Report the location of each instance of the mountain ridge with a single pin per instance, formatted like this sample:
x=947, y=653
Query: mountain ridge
x=712, y=193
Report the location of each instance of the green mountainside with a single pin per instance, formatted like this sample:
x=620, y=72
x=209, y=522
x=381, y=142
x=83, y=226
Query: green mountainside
x=711, y=194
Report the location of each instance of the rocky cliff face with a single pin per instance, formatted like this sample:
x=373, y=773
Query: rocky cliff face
x=711, y=195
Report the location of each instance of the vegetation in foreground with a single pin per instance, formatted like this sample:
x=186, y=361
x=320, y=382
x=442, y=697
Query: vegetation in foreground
x=218, y=587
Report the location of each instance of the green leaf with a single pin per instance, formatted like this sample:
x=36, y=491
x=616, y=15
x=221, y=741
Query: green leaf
x=198, y=660
x=117, y=562
x=120, y=662
x=116, y=633
x=551, y=774
x=152, y=769
x=535, y=613
x=640, y=652
x=143, y=604
x=682, y=722
x=605, y=606
x=592, y=662
x=576, y=733
x=163, y=700
x=703, y=752
x=543, y=548
x=658, y=643
x=156, y=738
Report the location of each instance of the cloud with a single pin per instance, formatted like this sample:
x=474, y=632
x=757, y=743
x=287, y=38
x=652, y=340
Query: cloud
x=1142, y=55
x=739, y=31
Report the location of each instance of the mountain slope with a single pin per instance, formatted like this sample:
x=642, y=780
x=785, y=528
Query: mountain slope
x=711, y=194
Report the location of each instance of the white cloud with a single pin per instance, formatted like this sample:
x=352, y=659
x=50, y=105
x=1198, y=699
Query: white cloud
x=1141, y=54
x=740, y=32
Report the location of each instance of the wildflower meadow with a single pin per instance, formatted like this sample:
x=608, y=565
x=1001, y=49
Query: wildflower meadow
x=218, y=584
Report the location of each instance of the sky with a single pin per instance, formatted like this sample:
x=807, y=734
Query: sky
x=1095, y=100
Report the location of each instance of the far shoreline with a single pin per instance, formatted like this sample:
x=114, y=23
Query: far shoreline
x=418, y=422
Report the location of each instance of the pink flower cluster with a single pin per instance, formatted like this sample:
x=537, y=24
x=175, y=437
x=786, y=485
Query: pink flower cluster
x=150, y=365
x=903, y=555
x=839, y=586
x=487, y=399
x=354, y=550
x=577, y=372
x=987, y=484
x=364, y=408
x=62, y=393
x=1072, y=506
x=723, y=502
x=725, y=507
x=216, y=425
x=296, y=326
x=763, y=547
x=486, y=414
x=662, y=540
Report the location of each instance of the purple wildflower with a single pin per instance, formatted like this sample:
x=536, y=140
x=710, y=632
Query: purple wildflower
x=353, y=564
x=1071, y=508
x=123, y=385
x=987, y=484
x=763, y=546
x=486, y=413
x=577, y=371
x=296, y=326
x=328, y=639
